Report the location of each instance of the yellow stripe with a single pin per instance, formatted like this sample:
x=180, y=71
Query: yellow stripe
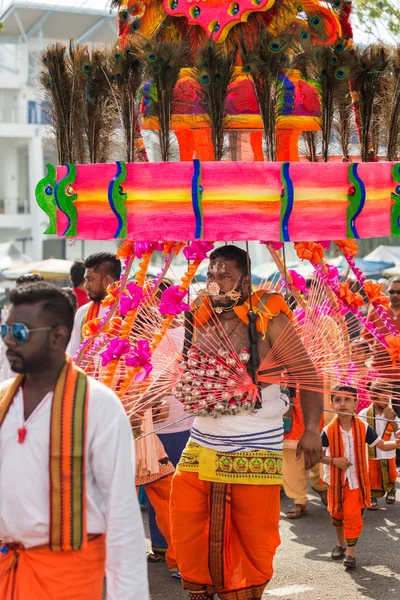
x=78, y=449
x=55, y=461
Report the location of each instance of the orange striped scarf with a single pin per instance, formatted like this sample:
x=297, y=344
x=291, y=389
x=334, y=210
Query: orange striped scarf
x=91, y=314
x=335, y=496
x=387, y=434
x=67, y=456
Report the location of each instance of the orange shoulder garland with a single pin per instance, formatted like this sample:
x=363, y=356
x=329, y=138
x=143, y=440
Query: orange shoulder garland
x=266, y=305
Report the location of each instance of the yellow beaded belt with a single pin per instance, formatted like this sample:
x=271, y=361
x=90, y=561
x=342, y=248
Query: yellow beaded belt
x=261, y=467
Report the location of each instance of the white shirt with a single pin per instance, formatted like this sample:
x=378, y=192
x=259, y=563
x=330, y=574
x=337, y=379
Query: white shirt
x=380, y=426
x=76, y=336
x=5, y=369
x=350, y=473
x=260, y=430
x=112, y=506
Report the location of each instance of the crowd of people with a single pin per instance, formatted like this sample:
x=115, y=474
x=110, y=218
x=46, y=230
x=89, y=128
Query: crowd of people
x=69, y=513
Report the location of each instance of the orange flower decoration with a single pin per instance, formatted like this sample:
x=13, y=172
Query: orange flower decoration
x=374, y=293
x=311, y=251
x=112, y=294
x=126, y=250
x=91, y=327
x=348, y=297
x=175, y=246
x=348, y=247
x=113, y=326
x=394, y=347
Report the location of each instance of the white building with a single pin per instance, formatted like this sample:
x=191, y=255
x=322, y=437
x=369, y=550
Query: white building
x=29, y=26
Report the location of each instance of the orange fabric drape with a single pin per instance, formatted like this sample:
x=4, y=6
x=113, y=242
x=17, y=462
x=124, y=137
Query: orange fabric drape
x=40, y=574
x=350, y=515
x=225, y=536
x=380, y=484
x=159, y=494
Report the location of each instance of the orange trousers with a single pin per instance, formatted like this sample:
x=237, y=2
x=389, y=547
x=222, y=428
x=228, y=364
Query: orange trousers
x=40, y=574
x=225, y=535
x=350, y=517
x=382, y=476
x=159, y=495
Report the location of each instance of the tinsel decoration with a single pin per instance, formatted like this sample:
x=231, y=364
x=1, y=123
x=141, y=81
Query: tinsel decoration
x=214, y=71
x=163, y=62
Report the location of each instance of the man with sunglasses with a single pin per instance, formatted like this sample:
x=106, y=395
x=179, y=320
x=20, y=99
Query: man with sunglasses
x=5, y=370
x=68, y=508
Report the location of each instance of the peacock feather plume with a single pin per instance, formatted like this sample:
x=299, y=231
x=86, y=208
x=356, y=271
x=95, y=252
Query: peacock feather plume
x=163, y=62
x=215, y=72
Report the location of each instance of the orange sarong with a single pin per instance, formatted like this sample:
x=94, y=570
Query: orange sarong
x=42, y=574
x=159, y=494
x=350, y=515
x=382, y=475
x=225, y=535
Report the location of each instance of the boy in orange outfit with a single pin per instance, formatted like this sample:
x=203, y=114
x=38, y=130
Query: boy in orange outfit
x=346, y=470
x=382, y=465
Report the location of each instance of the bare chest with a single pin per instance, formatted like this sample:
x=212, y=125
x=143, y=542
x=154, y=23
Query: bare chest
x=229, y=334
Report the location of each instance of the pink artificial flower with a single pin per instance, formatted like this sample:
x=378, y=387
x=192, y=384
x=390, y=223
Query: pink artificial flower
x=197, y=250
x=131, y=298
x=146, y=247
x=172, y=301
x=115, y=349
x=140, y=357
x=332, y=275
x=298, y=281
x=276, y=245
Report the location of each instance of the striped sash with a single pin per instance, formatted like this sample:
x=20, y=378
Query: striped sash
x=91, y=313
x=387, y=434
x=67, y=456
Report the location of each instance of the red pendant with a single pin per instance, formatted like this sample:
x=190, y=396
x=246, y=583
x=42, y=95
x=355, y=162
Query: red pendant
x=22, y=435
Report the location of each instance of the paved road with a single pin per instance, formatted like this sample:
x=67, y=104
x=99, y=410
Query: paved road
x=304, y=570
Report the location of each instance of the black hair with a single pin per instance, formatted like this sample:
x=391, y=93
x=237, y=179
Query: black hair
x=106, y=261
x=349, y=389
x=71, y=296
x=57, y=306
x=28, y=278
x=231, y=252
x=77, y=273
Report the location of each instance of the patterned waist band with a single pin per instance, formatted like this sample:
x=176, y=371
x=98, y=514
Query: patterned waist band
x=260, y=467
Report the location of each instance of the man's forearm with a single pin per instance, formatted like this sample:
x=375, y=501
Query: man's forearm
x=311, y=406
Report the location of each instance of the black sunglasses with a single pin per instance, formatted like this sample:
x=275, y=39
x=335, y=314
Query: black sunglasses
x=394, y=292
x=20, y=331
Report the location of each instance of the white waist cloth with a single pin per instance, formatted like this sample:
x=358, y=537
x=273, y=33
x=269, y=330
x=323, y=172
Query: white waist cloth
x=260, y=430
x=112, y=506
